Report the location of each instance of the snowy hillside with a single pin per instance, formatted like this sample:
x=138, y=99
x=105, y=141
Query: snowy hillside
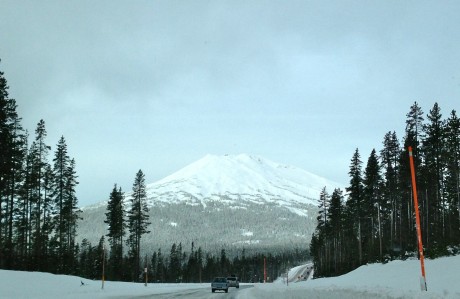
x=226, y=202
x=237, y=176
x=397, y=279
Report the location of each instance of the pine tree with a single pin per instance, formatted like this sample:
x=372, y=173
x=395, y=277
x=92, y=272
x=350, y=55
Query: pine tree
x=11, y=156
x=404, y=222
x=99, y=260
x=65, y=213
x=60, y=169
x=434, y=153
x=116, y=226
x=161, y=268
x=39, y=153
x=137, y=220
x=390, y=155
x=414, y=126
x=453, y=175
x=71, y=216
x=336, y=222
x=323, y=205
x=174, y=269
x=21, y=221
x=355, y=200
x=372, y=184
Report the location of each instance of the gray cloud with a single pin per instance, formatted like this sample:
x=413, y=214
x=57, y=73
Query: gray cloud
x=158, y=84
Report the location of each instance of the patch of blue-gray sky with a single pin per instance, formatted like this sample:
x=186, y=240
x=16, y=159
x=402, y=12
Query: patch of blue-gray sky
x=156, y=85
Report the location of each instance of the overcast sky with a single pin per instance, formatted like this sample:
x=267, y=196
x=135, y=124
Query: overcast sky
x=157, y=85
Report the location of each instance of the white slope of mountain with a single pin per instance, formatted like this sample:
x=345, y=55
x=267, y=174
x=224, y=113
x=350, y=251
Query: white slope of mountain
x=233, y=177
x=225, y=201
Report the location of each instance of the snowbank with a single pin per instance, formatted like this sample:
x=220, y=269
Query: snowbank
x=397, y=279
x=27, y=285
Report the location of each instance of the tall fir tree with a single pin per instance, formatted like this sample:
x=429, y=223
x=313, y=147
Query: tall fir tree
x=323, y=206
x=61, y=164
x=138, y=221
x=390, y=158
x=71, y=217
x=115, y=219
x=66, y=212
x=355, y=200
x=372, y=202
x=40, y=164
x=11, y=174
x=414, y=126
x=452, y=178
x=434, y=165
x=336, y=235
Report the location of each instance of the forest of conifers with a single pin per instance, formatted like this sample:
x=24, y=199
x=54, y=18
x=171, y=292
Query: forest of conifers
x=373, y=219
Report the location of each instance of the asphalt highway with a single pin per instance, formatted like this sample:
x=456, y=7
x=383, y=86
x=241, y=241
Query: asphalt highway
x=204, y=293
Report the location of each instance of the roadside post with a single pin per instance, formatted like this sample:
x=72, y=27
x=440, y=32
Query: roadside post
x=417, y=222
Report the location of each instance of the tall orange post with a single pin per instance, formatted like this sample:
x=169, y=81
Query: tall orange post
x=417, y=221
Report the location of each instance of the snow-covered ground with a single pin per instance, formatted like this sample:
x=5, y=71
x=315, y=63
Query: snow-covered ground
x=397, y=279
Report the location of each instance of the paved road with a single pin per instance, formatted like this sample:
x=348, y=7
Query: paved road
x=204, y=293
x=303, y=273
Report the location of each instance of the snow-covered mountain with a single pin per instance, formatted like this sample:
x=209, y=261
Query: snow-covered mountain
x=229, y=201
x=238, y=176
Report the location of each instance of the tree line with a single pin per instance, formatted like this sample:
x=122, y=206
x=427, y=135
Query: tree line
x=373, y=220
x=39, y=210
x=179, y=265
x=38, y=203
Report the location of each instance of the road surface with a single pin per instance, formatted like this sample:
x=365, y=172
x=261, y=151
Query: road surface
x=302, y=273
x=203, y=293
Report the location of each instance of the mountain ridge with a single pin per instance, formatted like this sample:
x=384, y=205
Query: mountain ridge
x=229, y=201
x=253, y=176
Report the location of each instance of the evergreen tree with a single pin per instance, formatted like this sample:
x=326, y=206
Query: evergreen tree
x=116, y=226
x=71, y=216
x=137, y=220
x=99, y=260
x=390, y=157
x=160, y=268
x=11, y=157
x=335, y=228
x=414, y=126
x=434, y=153
x=355, y=200
x=372, y=184
x=404, y=222
x=21, y=219
x=323, y=205
x=452, y=178
x=39, y=154
x=174, y=269
x=61, y=163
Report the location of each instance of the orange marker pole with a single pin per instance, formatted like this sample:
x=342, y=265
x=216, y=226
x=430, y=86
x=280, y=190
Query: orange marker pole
x=417, y=222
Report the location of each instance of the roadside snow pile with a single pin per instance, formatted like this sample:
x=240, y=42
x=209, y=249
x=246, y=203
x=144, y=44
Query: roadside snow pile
x=397, y=279
x=37, y=285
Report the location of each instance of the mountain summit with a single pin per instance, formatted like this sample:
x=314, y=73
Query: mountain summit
x=238, y=176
